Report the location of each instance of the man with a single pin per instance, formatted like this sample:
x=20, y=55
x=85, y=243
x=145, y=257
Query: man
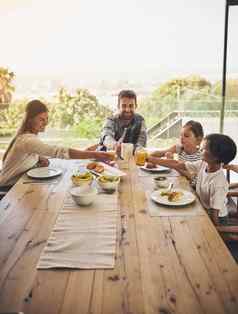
x=126, y=126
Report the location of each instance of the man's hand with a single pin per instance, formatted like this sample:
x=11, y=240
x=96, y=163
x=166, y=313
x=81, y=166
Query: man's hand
x=118, y=148
x=104, y=156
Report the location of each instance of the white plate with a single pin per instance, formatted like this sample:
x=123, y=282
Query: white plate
x=156, y=170
x=44, y=173
x=113, y=171
x=110, y=171
x=187, y=198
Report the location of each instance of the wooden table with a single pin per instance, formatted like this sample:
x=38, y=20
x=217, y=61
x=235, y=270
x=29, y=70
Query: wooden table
x=163, y=265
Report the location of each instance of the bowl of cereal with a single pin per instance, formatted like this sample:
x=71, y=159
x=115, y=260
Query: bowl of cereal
x=80, y=179
x=108, y=183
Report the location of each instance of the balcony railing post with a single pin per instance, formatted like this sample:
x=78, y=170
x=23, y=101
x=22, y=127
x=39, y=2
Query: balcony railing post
x=224, y=69
x=228, y=3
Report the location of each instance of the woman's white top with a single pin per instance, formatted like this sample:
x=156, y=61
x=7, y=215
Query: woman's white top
x=211, y=187
x=24, y=154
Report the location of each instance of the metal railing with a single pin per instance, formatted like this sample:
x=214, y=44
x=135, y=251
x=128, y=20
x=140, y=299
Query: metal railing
x=173, y=117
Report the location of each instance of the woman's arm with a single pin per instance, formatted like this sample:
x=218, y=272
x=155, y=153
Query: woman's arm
x=161, y=153
x=93, y=147
x=32, y=144
x=86, y=154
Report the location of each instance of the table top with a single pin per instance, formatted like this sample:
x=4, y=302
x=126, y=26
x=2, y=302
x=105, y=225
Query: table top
x=163, y=264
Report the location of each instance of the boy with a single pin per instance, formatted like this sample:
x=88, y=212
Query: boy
x=211, y=186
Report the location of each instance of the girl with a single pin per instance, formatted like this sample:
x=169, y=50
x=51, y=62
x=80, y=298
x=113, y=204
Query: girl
x=26, y=150
x=190, y=139
x=211, y=186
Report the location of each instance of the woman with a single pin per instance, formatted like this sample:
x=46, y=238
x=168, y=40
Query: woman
x=26, y=150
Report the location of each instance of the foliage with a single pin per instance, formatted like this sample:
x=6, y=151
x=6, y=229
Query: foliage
x=71, y=110
x=177, y=88
x=80, y=112
x=231, y=88
x=187, y=93
x=6, y=87
x=88, y=128
x=11, y=116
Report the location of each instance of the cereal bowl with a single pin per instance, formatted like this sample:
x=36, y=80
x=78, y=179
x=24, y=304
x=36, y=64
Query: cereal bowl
x=84, y=195
x=108, y=183
x=161, y=182
x=82, y=179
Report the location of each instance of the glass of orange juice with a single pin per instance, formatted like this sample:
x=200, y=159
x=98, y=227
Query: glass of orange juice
x=112, y=153
x=140, y=156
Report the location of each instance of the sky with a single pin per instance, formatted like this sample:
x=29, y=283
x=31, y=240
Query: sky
x=79, y=37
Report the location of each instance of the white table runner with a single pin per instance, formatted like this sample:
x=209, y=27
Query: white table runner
x=83, y=237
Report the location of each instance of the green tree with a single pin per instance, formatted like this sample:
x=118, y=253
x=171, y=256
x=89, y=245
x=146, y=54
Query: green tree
x=11, y=117
x=6, y=87
x=72, y=109
x=231, y=88
x=175, y=94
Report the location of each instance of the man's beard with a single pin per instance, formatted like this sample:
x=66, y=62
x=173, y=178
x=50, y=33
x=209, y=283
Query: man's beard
x=127, y=116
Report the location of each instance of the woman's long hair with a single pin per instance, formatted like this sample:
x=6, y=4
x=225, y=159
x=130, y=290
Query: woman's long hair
x=33, y=108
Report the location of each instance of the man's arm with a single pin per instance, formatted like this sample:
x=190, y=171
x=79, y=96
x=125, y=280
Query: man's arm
x=108, y=132
x=142, y=139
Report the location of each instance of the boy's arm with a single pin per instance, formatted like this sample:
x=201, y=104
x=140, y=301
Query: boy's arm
x=161, y=153
x=232, y=167
x=170, y=163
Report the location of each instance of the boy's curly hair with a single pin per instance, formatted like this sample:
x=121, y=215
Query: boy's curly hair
x=222, y=147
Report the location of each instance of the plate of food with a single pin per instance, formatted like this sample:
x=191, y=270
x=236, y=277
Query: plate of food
x=44, y=173
x=175, y=197
x=149, y=167
x=100, y=168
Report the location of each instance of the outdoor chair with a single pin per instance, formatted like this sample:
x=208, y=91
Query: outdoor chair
x=230, y=232
x=232, y=196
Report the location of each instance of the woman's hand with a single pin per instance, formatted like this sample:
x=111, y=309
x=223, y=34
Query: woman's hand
x=104, y=156
x=92, y=148
x=43, y=162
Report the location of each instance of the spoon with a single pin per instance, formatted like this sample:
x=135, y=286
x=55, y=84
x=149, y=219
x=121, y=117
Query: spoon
x=170, y=187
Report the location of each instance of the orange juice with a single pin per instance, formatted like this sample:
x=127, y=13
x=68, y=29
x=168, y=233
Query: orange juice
x=140, y=157
x=112, y=153
x=175, y=156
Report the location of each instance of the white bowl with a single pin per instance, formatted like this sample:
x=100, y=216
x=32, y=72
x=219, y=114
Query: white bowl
x=161, y=182
x=83, y=195
x=109, y=186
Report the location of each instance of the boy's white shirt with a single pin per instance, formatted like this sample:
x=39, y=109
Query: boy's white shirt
x=211, y=187
x=24, y=155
